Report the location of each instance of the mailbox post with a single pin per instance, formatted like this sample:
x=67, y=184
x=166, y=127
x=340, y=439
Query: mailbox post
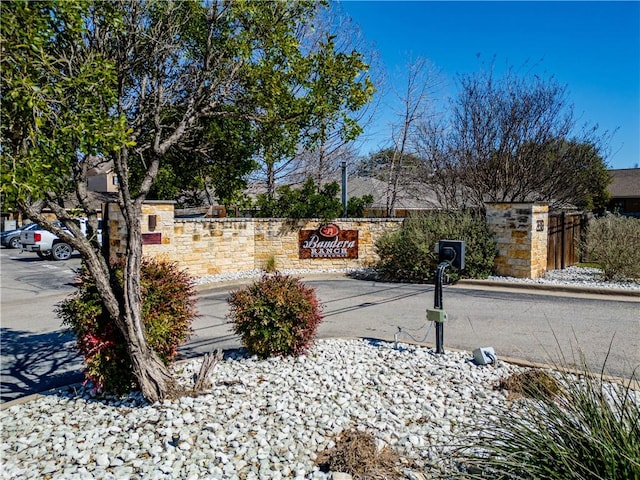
x=450, y=254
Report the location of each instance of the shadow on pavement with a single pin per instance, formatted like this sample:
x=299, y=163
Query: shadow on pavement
x=35, y=362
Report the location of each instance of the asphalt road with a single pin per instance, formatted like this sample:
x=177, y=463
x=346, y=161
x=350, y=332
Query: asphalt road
x=536, y=326
x=37, y=355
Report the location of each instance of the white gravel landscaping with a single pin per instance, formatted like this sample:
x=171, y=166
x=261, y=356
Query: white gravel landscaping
x=570, y=276
x=262, y=419
x=573, y=276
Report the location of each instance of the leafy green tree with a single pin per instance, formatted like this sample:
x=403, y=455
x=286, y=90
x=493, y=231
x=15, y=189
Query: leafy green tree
x=377, y=165
x=134, y=82
x=357, y=205
x=215, y=163
x=309, y=201
x=325, y=86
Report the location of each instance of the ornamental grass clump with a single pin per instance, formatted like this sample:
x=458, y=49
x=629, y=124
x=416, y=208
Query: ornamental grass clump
x=168, y=309
x=583, y=427
x=275, y=316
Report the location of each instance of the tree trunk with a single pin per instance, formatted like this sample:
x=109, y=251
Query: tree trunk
x=153, y=376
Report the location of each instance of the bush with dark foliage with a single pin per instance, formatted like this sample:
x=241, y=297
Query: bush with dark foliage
x=168, y=309
x=275, y=316
x=409, y=253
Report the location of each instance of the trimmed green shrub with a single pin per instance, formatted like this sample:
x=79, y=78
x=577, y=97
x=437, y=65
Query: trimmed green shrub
x=168, y=309
x=275, y=316
x=409, y=253
x=613, y=242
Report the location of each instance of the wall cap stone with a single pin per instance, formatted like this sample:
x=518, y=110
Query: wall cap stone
x=288, y=220
x=159, y=202
x=517, y=203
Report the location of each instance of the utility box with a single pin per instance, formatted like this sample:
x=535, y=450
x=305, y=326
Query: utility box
x=451, y=251
x=484, y=356
x=436, y=315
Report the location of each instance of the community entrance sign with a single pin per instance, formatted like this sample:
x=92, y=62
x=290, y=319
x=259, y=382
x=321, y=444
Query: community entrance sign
x=328, y=241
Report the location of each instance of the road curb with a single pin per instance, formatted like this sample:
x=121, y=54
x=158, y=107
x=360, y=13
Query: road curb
x=550, y=288
x=612, y=292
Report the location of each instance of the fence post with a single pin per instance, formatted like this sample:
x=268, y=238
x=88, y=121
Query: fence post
x=563, y=240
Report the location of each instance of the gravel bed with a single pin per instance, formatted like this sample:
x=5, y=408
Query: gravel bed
x=249, y=274
x=266, y=419
x=573, y=276
x=262, y=419
x=570, y=276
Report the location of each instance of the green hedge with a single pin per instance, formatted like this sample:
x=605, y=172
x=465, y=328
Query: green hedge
x=409, y=253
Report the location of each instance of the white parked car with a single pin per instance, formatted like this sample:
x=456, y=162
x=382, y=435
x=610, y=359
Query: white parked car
x=48, y=245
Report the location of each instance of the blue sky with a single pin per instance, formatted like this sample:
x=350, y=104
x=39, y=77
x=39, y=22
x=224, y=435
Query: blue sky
x=591, y=47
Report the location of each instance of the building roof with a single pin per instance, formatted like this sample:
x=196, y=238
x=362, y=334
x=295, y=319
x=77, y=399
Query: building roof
x=625, y=184
x=416, y=196
x=411, y=197
x=98, y=166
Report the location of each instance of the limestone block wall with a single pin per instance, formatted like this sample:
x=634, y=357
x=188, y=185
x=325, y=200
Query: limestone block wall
x=159, y=229
x=219, y=245
x=521, y=231
x=278, y=238
x=213, y=245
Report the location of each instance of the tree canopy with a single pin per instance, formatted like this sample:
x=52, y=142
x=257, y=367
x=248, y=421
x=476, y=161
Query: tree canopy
x=141, y=82
x=512, y=139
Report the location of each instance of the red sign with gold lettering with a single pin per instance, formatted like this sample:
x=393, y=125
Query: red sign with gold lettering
x=328, y=241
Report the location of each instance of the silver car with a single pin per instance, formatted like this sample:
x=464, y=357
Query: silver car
x=11, y=238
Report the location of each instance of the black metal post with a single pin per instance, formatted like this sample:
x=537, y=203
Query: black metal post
x=437, y=303
x=344, y=188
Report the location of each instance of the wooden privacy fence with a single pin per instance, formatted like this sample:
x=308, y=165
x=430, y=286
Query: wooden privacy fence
x=564, y=234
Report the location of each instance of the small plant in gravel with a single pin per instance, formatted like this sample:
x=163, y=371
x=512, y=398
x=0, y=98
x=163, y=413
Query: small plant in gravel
x=576, y=428
x=168, y=309
x=275, y=316
x=270, y=264
x=533, y=383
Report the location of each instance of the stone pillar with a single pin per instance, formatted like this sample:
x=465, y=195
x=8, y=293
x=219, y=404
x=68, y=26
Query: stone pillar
x=156, y=228
x=520, y=230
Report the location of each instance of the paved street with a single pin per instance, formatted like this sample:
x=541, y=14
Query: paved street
x=530, y=325
x=526, y=324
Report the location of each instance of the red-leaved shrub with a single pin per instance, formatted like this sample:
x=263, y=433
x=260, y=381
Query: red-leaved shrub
x=275, y=316
x=168, y=309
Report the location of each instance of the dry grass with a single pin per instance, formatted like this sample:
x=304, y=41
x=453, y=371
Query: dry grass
x=356, y=453
x=536, y=384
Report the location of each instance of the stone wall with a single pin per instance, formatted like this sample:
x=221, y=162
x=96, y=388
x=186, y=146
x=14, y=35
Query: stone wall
x=219, y=245
x=521, y=231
